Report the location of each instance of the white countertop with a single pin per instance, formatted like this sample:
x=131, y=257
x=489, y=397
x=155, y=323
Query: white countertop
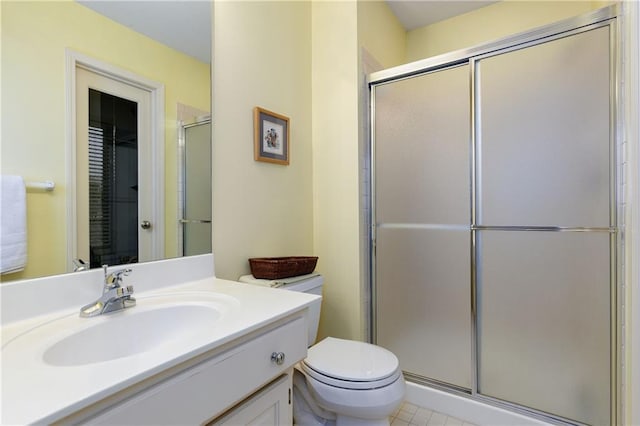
x=35, y=392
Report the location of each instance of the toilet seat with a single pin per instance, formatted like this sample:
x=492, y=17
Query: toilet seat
x=349, y=364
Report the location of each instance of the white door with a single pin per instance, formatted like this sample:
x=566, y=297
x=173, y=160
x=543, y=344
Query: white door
x=115, y=217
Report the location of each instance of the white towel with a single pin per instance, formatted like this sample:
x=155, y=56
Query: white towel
x=275, y=283
x=13, y=224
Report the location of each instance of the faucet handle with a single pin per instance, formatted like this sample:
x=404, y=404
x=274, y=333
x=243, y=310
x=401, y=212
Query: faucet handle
x=115, y=278
x=124, y=291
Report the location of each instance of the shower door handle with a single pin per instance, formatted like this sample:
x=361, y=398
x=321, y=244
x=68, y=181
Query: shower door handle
x=194, y=221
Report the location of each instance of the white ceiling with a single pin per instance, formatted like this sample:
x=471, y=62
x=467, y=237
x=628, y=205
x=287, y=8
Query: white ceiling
x=185, y=25
x=414, y=14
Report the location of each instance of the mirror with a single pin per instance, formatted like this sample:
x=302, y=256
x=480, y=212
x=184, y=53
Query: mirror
x=167, y=42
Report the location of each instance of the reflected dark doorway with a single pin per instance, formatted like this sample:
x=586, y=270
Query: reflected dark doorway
x=113, y=179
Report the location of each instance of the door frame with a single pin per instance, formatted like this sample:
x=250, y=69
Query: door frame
x=76, y=60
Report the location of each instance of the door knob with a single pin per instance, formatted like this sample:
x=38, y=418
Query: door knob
x=145, y=224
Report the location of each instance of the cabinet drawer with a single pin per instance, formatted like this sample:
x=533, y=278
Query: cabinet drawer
x=207, y=389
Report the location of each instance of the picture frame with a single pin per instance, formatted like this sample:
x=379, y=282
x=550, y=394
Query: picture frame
x=270, y=136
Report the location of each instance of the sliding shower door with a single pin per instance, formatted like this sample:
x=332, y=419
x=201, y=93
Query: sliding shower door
x=423, y=229
x=543, y=213
x=495, y=233
x=195, y=147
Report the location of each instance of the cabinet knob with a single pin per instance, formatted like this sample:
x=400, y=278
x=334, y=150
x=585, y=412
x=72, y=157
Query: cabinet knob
x=278, y=357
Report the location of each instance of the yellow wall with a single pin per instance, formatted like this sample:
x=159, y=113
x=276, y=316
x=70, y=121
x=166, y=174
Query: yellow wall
x=335, y=164
x=305, y=60
x=339, y=31
x=489, y=23
x=34, y=38
x=262, y=57
x=380, y=33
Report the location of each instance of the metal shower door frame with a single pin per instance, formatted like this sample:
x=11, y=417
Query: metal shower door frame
x=600, y=18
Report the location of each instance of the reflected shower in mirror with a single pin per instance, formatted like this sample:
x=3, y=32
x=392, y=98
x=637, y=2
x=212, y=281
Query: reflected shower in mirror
x=195, y=189
x=38, y=85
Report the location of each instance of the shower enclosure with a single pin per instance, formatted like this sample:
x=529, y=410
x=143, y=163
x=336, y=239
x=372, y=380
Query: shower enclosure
x=194, y=146
x=495, y=220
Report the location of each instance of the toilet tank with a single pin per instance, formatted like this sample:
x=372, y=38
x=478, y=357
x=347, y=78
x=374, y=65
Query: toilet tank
x=312, y=285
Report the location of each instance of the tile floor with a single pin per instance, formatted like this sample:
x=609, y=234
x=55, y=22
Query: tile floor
x=412, y=415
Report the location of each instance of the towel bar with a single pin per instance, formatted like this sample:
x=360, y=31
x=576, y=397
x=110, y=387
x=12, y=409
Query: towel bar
x=47, y=185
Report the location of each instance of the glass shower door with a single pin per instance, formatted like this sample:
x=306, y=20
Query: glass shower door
x=196, y=188
x=544, y=221
x=422, y=224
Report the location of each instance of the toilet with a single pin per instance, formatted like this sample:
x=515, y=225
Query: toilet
x=341, y=382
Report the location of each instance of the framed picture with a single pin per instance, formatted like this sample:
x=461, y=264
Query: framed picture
x=270, y=136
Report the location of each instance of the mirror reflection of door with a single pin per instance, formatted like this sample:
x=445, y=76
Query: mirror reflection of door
x=113, y=136
x=196, y=187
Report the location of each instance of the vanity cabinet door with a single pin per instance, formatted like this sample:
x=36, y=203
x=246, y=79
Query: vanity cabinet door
x=270, y=406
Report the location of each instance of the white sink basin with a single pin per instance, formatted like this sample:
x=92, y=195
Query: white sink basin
x=158, y=323
x=131, y=333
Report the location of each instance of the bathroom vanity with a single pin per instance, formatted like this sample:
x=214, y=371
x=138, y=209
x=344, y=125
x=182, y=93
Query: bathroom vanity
x=200, y=351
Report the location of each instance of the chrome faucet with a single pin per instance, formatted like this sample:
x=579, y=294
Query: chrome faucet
x=114, y=296
x=79, y=265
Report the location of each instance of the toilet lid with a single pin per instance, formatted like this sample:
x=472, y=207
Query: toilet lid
x=352, y=361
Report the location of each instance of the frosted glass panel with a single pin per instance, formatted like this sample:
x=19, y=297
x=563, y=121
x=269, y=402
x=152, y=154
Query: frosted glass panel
x=197, y=190
x=544, y=134
x=544, y=325
x=423, y=301
x=422, y=141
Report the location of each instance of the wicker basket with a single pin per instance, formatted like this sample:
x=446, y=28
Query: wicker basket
x=273, y=268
